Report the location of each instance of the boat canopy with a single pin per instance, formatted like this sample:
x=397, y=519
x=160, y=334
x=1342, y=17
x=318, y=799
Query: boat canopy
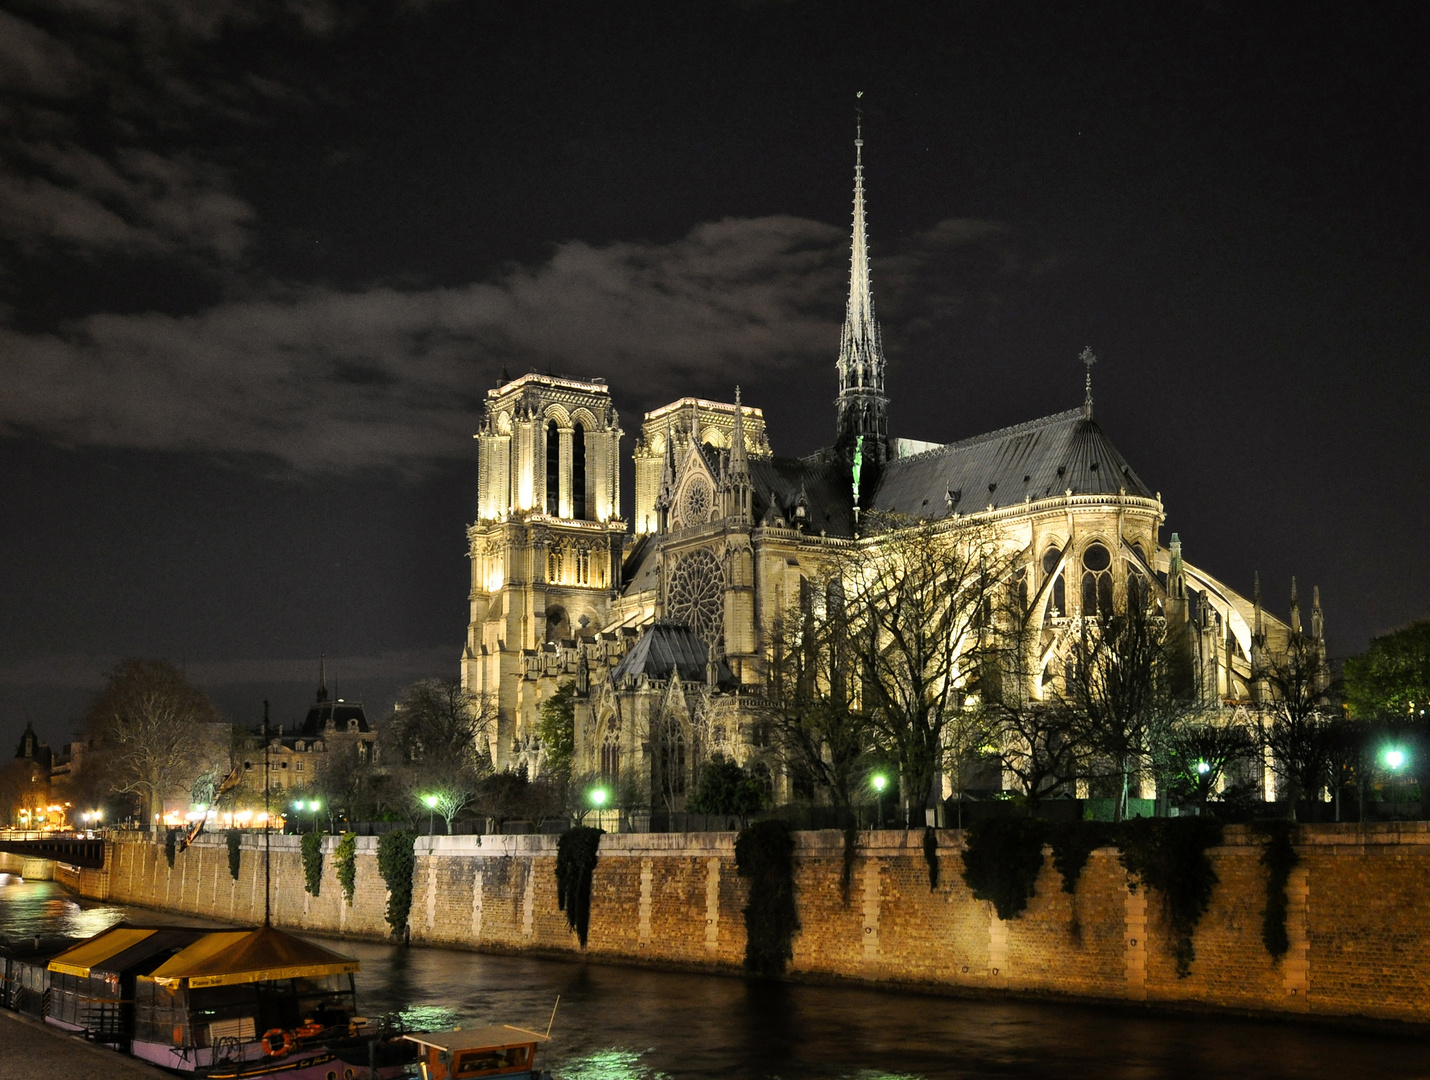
x=230, y=957
x=493, y=1036
x=84, y=957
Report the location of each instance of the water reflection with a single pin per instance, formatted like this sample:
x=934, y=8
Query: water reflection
x=30, y=909
x=636, y=1024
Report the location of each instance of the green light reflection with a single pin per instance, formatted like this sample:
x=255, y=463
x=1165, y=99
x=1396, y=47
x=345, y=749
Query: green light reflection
x=615, y=1063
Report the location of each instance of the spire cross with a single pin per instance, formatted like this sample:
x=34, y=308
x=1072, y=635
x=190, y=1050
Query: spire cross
x=1088, y=358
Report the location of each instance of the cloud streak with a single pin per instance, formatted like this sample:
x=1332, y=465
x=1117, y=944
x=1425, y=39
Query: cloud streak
x=334, y=381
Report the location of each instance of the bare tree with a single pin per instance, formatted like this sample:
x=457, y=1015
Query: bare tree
x=1202, y=748
x=437, y=743
x=808, y=707
x=920, y=599
x=1294, y=725
x=153, y=732
x=1118, y=684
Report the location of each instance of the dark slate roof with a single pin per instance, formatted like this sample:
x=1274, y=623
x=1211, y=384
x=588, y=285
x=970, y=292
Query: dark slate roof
x=1039, y=459
x=340, y=712
x=640, y=569
x=667, y=646
x=824, y=484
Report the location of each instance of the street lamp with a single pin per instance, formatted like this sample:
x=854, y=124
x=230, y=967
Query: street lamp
x=431, y=801
x=1395, y=758
x=879, y=781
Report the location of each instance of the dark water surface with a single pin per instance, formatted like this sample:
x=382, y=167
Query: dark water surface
x=619, y=1023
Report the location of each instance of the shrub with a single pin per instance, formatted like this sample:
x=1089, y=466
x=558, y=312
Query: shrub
x=764, y=853
x=313, y=862
x=396, y=862
x=235, y=847
x=575, y=866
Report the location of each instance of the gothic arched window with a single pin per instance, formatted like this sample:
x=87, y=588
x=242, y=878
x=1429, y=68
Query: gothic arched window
x=553, y=469
x=1096, y=580
x=578, y=473
x=611, y=759
x=1057, y=600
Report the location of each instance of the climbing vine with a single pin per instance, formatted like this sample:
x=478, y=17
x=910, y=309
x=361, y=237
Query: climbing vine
x=1001, y=862
x=846, y=872
x=171, y=845
x=235, y=842
x=931, y=856
x=1280, y=858
x=575, y=867
x=345, y=864
x=1073, y=842
x=1170, y=856
x=313, y=861
x=395, y=862
x=764, y=854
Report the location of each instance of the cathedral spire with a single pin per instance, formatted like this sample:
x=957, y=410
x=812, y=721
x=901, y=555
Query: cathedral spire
x=1318, y=620
x=863, y=408
x=322, y=682
x=739, y=464
x=1295, y=609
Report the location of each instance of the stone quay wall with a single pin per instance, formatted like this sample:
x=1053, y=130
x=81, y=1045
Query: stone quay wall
x=1357, y=917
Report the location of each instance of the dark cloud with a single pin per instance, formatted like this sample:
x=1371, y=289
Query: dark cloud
x=327, y=380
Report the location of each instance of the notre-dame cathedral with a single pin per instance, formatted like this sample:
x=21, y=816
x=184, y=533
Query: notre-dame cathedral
x=660, y=622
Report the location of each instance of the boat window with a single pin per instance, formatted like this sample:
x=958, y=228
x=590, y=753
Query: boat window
x=488, y=1059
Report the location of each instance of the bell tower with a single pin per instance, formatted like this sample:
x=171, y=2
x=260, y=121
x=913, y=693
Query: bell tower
x=546, y=546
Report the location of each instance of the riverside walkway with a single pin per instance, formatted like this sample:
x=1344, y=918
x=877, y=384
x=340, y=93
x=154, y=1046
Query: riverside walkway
x=30, y=1050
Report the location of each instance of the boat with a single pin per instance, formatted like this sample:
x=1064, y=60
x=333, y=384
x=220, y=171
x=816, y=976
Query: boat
x=226, y=1005
x=496, y=1050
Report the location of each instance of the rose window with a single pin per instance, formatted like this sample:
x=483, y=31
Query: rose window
x=697, y=595
x=695, y=504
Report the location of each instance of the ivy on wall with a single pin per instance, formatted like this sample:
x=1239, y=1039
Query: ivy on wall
x=396, y=862
x=345, y=864
x=764, y=854
x=1004, y=856
x=313, y=862
x=931, y=856
x=171, y=845
x=1002, y=860
x=846, y=871
x=235, y=848
x=1280, y=858
x=1170, y=856
x=575, y=867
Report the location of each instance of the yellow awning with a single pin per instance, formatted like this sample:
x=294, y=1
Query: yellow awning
x=81, y=959
x=228, y=958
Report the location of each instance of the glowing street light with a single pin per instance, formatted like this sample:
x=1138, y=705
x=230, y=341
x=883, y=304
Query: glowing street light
x=880, y=780
x=431, y=801
x=1395, y=758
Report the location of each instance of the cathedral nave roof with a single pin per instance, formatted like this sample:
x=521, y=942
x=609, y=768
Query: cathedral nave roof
x=1039, y=459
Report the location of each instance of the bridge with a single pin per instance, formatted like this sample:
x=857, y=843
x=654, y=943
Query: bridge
x=57, y=847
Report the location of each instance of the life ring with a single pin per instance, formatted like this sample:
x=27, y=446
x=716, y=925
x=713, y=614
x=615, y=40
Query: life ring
x=285, y=1047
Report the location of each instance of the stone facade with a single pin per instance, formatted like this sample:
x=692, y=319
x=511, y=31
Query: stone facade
x=676, y=900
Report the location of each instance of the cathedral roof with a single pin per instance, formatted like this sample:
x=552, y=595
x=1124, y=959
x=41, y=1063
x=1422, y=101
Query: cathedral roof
x=339, y=713
x=667, y=647
x=823, y=485
x=1040, y=459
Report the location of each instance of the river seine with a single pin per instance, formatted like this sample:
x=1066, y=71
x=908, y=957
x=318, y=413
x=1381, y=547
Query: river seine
x=617, y=1023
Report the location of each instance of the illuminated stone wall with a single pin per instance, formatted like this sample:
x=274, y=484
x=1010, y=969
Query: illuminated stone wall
x=1355, y=921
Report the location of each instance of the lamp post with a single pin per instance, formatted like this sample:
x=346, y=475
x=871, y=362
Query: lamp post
x=431, y=801
x=879, y=781
x=1395, y=758
x=598, y=801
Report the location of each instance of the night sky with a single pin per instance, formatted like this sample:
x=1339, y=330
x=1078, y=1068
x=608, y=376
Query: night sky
x=262, y=260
